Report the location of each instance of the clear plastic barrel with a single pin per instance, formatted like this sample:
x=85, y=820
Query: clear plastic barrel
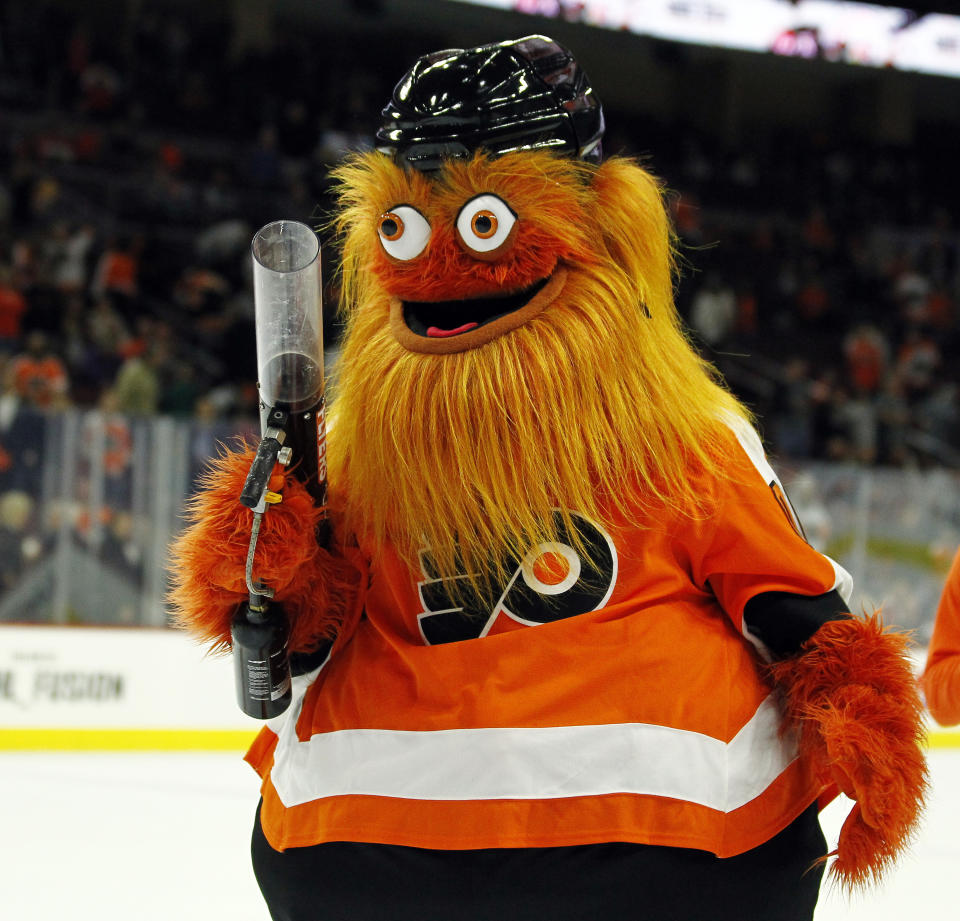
x=289, y=314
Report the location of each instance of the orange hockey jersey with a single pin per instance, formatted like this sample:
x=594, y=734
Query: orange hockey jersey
x=941, y=677
x=622, y=701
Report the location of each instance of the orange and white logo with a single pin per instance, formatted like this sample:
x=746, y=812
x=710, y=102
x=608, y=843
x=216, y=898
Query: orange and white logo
x=555, y=580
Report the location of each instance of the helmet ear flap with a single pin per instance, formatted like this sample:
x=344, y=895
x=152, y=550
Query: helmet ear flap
x=525, y=94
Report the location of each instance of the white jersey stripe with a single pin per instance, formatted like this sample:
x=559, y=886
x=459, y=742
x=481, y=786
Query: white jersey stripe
x=534, y=763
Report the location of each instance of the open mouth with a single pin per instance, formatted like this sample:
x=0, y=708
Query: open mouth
x=458, y=325
x=442, y=319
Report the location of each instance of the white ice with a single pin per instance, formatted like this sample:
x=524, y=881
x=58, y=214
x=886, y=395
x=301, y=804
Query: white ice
x=151, y=837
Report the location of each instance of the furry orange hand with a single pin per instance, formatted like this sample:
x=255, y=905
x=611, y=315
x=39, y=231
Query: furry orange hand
x=317, y=589
x=852, y=694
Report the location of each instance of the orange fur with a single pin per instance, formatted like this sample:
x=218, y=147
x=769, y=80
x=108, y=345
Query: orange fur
x=597, y=400
x=853, y=695
x=317, y=589
x=550, y=196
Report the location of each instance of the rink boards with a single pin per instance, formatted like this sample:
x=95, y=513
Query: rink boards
x=113, y=689
x=134, y=689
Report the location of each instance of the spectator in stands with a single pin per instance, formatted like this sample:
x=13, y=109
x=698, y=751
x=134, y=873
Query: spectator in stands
x=46, y=200
x=166, y=193
x=106, y=331
x=38, y=375
x=813, y=302
x=137, y=388
x=122, y=547
x=117, y=274
x=867, y=355
x=218, y=195
x=942, y=316
x=816, y=231
x=66, y=255
x=23, y=264
x=939, y=414
x=22, y=433
x=107, y=438
x=853, y=422
x=100, y=89
x=893, y=423
x=911, y=289
x=941, y=676
x=182, y=390
x=76, y=350
x=713, y=311
x=918, y=363
x=13, y=306
x=19, y=547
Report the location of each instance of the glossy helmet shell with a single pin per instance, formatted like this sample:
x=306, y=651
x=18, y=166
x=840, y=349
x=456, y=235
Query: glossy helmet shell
x=524, y=94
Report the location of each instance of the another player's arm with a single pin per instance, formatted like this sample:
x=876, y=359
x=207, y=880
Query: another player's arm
x=941, y=676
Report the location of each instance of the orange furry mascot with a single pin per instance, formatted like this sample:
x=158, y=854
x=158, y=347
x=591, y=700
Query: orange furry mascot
x=583, y=660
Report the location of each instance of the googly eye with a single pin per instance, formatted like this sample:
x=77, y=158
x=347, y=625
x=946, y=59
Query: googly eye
x=485, y=223
x=404, y=232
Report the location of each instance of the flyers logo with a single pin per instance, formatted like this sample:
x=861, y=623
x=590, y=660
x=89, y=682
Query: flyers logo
x=552, y=582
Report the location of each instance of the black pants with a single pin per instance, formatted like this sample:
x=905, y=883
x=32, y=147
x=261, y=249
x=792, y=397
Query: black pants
x=596, y=882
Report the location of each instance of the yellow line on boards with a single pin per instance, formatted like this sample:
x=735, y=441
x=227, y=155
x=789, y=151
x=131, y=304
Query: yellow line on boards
x=943, y=739
x=196, y=739
x=125, y=739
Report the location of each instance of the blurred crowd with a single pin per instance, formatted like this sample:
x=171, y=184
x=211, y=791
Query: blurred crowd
x=137, y=160
x=825, y=286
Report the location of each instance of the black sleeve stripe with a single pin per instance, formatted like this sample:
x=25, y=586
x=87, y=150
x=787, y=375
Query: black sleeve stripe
x=783, y=621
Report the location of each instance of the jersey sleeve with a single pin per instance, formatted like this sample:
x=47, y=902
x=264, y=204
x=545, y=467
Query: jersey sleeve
x=775, y=587
x=941, y=676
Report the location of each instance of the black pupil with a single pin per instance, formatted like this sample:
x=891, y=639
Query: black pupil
x=483, y=224
x=389, y=227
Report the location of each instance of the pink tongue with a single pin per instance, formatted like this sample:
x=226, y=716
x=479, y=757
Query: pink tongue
x=436, y=333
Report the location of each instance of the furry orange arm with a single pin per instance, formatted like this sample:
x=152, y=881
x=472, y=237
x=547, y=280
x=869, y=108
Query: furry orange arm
x=853, y=696
x=318, y=590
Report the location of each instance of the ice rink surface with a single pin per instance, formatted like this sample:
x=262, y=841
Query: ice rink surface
x=155, y=837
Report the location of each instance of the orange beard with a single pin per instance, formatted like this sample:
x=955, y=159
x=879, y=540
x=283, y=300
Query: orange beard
x=597, y=403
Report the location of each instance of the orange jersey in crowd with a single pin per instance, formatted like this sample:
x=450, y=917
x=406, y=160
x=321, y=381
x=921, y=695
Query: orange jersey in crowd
x=941, y=677
x=12, y=308
x=619, y=702
x=39, y=381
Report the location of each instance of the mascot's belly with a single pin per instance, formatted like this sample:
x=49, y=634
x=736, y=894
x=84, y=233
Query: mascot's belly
x=644, y=719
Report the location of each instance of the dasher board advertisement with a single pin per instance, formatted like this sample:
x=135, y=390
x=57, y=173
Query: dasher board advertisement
x=104, y=688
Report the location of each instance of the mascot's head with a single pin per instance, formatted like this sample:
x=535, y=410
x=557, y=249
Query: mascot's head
x=512, y=346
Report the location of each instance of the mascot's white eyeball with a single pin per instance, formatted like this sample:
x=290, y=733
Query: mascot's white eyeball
x=404, y=232
x=486, y=224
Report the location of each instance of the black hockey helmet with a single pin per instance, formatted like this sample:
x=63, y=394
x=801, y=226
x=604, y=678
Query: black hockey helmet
x=524, y=94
